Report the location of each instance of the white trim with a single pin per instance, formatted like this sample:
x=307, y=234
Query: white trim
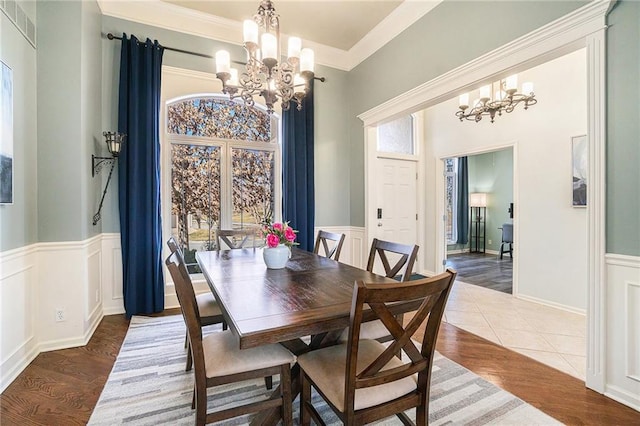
x=551, y=304
x=583, y=27
x=397, y=21
x=623, y=396
x=622, y=260
x=17, y=253
x=173, y=17
x=628, y=334
x=549, y=41
x=176, y=18
x=8, y=377
x=596, y=210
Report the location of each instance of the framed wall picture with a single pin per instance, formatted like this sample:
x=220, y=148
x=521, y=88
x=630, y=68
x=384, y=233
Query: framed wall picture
x=6, y=131
x=580, y=163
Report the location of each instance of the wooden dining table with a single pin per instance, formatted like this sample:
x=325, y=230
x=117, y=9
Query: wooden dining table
x=311, y=296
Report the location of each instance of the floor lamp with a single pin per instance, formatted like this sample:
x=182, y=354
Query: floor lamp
x=477, y=222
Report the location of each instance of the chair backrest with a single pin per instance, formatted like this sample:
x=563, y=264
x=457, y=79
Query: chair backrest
x=189, y=306
x=235, y=238
x=173, y=246
x=433, y=293
x=403, y=266
x=507, y=233
x=323, y=238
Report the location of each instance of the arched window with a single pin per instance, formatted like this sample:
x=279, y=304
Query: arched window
x=224, y=160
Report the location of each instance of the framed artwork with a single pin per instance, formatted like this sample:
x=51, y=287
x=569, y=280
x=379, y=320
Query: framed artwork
x=6, y=131
x=580, y=163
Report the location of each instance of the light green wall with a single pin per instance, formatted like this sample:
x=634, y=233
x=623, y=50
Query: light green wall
x=492, y=173
x=623, y=129
x=331, y=137
x=18, y=222
x=440, y=41
x=69, y=105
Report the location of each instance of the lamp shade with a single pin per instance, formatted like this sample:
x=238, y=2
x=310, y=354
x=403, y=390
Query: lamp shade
x=478, y=199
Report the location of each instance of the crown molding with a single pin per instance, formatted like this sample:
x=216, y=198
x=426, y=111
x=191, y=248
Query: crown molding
x=176, y=18
x=396, y=22
x=561, y=36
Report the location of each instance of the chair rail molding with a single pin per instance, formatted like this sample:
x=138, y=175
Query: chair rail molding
x=584, y=27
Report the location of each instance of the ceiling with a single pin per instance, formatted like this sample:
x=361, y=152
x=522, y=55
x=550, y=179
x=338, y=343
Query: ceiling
x=339, y=24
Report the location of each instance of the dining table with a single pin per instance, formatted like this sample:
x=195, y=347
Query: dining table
x=310, y=296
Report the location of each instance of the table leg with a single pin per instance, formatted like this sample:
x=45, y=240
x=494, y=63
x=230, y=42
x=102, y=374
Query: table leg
x=297, y=347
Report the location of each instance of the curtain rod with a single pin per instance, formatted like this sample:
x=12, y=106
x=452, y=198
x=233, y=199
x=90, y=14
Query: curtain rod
x=110, y=36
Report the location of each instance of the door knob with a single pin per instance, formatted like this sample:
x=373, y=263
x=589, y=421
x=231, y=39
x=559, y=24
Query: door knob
x=379, y=223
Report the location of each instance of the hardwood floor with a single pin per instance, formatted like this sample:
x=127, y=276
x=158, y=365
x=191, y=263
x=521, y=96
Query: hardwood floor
x=483, y=269
x=62, y=387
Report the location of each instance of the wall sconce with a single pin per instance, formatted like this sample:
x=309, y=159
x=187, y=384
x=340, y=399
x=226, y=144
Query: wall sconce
x=114, y=142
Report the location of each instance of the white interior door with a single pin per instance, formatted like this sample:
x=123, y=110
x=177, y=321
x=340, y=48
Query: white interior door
x=397, y=210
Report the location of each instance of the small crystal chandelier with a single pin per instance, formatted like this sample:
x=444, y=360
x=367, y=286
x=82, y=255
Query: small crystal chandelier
x=505, y=99
x=266, y=74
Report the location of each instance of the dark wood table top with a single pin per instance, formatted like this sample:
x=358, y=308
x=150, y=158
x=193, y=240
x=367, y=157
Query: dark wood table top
x=311, y=295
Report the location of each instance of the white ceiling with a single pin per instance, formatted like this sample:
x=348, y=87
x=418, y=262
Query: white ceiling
x=339, y=24
x=342, y=33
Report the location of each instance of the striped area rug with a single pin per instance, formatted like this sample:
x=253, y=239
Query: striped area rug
x=148, y=386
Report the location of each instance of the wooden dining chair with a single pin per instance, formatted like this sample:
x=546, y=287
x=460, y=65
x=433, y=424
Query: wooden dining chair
x=235, y=238
x=397, y=261
x=362, y=380
x=323, y=238
x=385, y=250
x=217, y=358
x=208, y=308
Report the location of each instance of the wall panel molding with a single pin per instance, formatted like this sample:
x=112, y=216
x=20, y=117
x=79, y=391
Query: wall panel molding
x=622, y=328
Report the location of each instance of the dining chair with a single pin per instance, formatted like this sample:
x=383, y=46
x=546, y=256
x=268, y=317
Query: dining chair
x=403, y=257
x=217, y=358
x=208, y=309
x=403, y=266
x=361, y=379
x=323, y=238
x=507, y=239
x=235, y=238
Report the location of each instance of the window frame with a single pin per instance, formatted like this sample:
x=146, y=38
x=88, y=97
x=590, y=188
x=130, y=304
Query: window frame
x=226, y=146
x=454, y=207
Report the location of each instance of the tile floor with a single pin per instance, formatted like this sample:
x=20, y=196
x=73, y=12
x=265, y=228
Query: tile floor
x=549, y=335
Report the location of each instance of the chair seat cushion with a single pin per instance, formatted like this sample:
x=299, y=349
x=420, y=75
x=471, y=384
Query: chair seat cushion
x=368, y=331
x=326, y=368
x=208, y=305
x=223, y=355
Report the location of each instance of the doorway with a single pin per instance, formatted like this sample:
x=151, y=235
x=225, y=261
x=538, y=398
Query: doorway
x=479, y=243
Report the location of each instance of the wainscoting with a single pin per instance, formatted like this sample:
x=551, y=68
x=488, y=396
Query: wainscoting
x=84, y=280
x=623, y=329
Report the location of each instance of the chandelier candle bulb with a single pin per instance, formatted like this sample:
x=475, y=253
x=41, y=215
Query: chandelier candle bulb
x=512, y=83
x=485, y=93
x=250, y=31
x=267, y=73
x=233, y=80
x=463, y=101
x=295, y=45
x=527, y=88
x=223, y=62
x=306, y=60
x=269, y=46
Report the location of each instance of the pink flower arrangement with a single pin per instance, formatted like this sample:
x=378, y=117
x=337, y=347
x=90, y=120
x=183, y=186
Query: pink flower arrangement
x=279, y=233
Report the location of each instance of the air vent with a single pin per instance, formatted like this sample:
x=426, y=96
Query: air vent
x=19, y=18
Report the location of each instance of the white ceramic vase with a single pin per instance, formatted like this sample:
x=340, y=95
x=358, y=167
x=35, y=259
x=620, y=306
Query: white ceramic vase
x=276, y=257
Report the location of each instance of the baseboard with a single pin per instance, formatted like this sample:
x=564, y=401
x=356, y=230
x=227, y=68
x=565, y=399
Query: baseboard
x=72, y=342
x=551, y=304
x=9, y=376
x=623, y=397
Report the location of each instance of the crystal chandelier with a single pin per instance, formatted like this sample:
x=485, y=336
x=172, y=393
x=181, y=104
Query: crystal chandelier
x=266, y=74
x=505, y=100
